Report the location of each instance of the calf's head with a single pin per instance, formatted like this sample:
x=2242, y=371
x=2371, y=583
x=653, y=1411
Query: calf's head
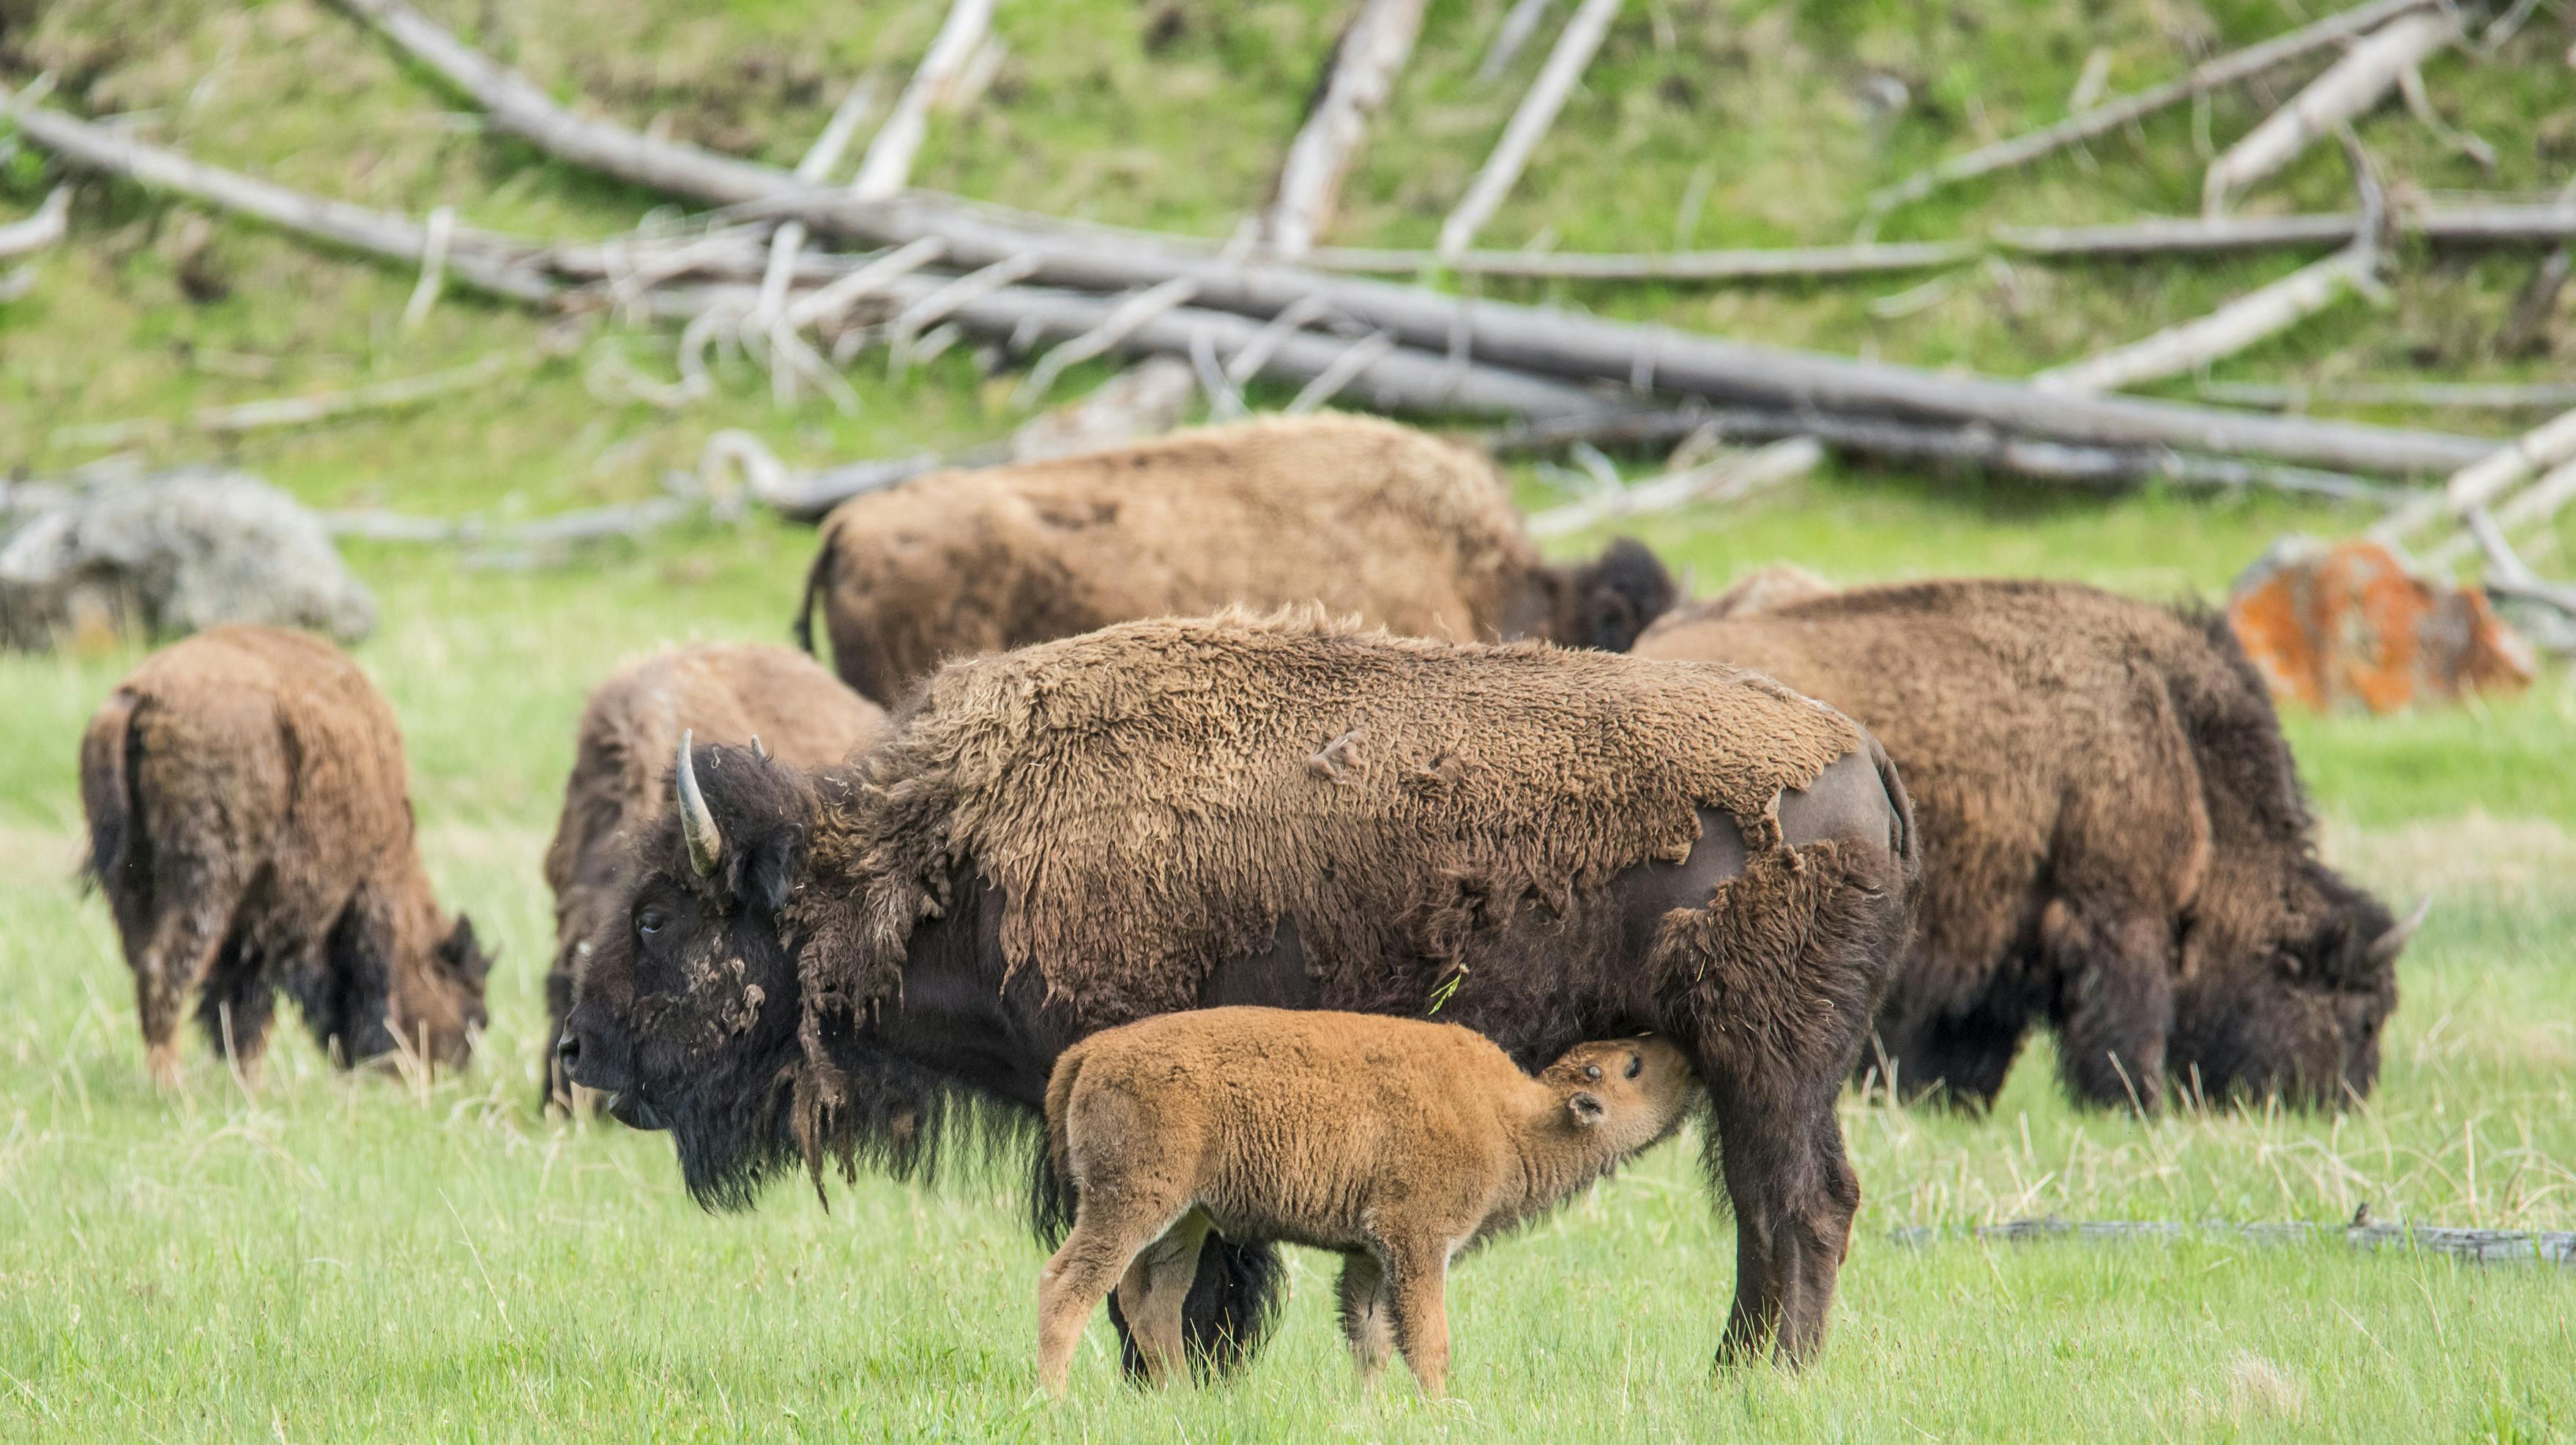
x=437, y=999
x=2287, y=982
x=1620, y=1096
x=1605, y=603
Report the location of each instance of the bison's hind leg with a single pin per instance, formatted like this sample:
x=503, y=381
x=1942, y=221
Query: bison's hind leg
x=1151, y=1296
x=236, y=1007
x=1106, y=1239
x=179, y=949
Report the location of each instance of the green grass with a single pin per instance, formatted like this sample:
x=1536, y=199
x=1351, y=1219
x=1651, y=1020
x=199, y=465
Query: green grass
x=338, y=1258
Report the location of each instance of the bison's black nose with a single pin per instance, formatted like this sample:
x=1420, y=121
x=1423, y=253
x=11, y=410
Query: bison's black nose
x=567, y=1052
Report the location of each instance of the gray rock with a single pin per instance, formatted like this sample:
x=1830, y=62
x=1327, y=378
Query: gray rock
x=171, y=554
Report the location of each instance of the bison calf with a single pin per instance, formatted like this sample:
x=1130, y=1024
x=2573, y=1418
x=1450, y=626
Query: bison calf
x=250, y=825
x=1395, y=1141
x=723, y=692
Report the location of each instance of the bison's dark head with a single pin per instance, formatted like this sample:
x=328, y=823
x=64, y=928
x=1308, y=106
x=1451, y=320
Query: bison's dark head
x=1606, y=602
x=684, y=1008
x=2287, y=997
x=687, y=1005
x=437, y=1000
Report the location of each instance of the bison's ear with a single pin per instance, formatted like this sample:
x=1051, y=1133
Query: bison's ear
x=765, y=872
x=1585, y=1108
x=461, y=954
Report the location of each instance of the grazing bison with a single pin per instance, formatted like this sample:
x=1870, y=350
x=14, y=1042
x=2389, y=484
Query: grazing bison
x=1396, y=1142
x=250, y=824
x=2115, y=842
x=1543, y=845
x=1363, y=516
x=726, y=692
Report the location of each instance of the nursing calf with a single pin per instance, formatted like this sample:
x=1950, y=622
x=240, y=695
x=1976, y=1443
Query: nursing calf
x=1397, y=1142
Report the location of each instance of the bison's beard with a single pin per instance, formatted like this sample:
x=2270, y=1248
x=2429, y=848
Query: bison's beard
x=735, y=1121
x=731, y=1129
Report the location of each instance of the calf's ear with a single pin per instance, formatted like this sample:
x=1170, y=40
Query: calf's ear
x=1585, y=1108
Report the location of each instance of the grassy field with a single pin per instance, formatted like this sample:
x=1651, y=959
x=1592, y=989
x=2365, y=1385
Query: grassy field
x=339, y=1258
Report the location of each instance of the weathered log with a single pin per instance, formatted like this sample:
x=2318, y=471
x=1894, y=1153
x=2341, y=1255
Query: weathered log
x=2545, y=224
x=301, y=410
x=888, y=163
x=1359, y=80
x=46, y=226
x=2226, y=70
x=590, y=524
x=2484, y=479
x=2463, y=396
x=2349, y=89
x=1734, y=265
x=2480, y=1246
x=1528, y=125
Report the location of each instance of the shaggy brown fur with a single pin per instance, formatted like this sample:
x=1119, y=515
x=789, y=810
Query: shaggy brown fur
x=2115, y=837
x=1544, y=845
x=726, y=692
x=251, y=826
x=1398, y=1143
x=1363, y=516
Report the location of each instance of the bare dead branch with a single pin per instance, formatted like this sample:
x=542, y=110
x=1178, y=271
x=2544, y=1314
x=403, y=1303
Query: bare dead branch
x=1722, y=479
x=1518, y=26
x=2479, y=1246
x=1528, y=125
x=2224, y=71
x=1360, y=78
x=2468, y=396
x=2532, y=225
x=2349, y=89
x=888, y=163
x=46, y=226
x=302, y=410
x=2484, y=480
x=1735, y=265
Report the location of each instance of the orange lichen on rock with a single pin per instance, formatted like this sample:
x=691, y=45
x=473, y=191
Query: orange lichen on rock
x=2331, y=623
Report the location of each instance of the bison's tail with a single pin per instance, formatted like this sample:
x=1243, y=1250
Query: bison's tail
x=1059, y=1113
x=1906, y=843
x=818, y=579
x=106, y=793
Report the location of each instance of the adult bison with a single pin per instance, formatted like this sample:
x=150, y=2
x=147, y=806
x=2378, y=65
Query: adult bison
x=2115, y=842
x=1544, y=845
x=1362, y=516
x=251, y=826
x=725, y=692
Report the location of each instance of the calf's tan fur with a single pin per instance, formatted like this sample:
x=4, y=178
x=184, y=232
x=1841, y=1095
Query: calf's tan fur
x=1395, y=1141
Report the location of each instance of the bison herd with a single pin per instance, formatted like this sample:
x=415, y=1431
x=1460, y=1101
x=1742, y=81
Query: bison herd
x=1291, y=715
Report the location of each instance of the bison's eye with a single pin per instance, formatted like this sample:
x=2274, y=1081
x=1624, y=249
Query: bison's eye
x=1636, y=1066
x=650, y=920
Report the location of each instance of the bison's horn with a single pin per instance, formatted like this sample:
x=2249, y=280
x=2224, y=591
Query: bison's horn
x=697, y=825
x=2385, y=948
x=757, y=750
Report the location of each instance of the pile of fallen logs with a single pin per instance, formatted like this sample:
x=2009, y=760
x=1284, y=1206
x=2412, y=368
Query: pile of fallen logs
x=805, y=275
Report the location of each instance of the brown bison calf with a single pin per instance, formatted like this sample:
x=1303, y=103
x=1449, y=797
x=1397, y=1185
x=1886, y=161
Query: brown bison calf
x=1406, y=530
x=1395, y=1141
x=723, y=692
x=250, y=824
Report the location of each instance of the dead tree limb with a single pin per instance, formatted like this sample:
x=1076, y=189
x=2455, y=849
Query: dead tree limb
x=46, y=226
x=2532, y=507
x=1359, y=80
x=2526, y=331
x=2247, y=320
x=2349, y=89
x=2226, y=70
x=487, y=262
x=2463, y=396
x=1723, y=479
x=1528, y=125
x=2480, y=1246
x=1736, y=265
x=2546, y=224
x=1518, y=26
x=888, y=163
x=590, y=524
x=2484, y=480
x=302, y=410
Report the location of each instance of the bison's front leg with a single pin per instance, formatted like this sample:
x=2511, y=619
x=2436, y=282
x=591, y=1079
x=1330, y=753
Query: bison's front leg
x=2114, y=1005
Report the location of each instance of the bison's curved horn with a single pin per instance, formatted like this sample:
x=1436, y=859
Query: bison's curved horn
x=697, y=825
x=2385, y=948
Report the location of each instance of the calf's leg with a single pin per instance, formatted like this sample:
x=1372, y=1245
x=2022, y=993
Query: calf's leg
x=1368, y=1314
x=1417, y=1288
x=1110, y=1227
x=179, y=948
x=1151, y=1296
x=237, y=1007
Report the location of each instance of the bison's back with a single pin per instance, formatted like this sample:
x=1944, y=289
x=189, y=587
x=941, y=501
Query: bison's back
x=1158, y=796
x=1361, y=516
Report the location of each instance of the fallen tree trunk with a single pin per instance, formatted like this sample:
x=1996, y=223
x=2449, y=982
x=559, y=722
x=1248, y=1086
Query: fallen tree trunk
x=2465, y=396
x=1566, y=345
x=2224, y=71
x=2483, y=480
x=590, y=524
x=1736, y=265
x=2533, y=506
x=1366, y=60
x=2348, y=90
x=1528, y=125
x=2545, y=224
